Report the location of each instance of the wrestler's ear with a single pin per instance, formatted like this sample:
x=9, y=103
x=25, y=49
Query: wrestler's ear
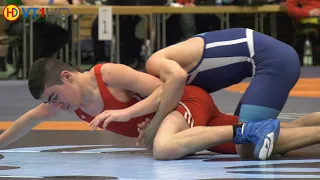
x=66, y=77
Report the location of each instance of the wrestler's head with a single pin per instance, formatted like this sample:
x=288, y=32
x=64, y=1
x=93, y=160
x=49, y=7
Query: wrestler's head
x=55, y=82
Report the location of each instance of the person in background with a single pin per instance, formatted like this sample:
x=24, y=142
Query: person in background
x=308, y=11
x=130, y=45
x=187, y=21
x=303, y=8
x=48, y=38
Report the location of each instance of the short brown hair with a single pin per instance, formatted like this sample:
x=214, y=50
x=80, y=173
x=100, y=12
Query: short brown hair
x=45, y=72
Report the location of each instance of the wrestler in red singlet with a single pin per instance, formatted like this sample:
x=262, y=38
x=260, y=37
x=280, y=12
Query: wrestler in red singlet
x=196, y=106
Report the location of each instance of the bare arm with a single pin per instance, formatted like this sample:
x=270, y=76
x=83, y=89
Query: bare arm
x=171, y=65
x=146, y=106
x=25, y=123
x=146, y=85
x=175, y=78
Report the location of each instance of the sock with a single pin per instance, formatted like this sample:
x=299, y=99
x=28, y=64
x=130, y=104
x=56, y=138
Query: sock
x=235, y=126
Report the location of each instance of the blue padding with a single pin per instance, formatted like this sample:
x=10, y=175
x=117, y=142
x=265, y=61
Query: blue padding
x=250, y=113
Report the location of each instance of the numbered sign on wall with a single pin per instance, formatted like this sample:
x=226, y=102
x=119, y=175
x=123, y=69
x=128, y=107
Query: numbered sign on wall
x=105, y=23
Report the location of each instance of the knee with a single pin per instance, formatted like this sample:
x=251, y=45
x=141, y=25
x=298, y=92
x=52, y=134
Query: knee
x=164, y=150
x=315, y=115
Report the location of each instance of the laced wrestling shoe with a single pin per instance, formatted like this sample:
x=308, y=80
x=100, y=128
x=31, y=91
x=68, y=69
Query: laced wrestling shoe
x=263, y=134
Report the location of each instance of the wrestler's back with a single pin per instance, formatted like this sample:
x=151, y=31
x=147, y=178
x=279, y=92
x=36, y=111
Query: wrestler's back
x=225, y=61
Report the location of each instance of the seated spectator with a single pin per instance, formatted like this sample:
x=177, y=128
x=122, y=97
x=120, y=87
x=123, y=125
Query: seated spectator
x=187, y=21
x=130, y=45
x=302, y=10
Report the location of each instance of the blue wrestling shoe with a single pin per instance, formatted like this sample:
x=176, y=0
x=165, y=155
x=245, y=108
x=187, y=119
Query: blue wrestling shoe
x=263, y=134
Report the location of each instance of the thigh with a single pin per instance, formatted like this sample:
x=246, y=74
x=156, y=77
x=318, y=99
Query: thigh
x=277, y=69
x=265, y=97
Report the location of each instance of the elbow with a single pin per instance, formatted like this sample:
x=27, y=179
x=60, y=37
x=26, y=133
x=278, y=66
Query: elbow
x=182, y=75
x=178, y=73
x=167, y=69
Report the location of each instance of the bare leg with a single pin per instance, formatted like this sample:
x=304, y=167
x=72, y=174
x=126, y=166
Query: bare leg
x=175, y=139
x=290, y=140
x=295, y=138
x=312, y=119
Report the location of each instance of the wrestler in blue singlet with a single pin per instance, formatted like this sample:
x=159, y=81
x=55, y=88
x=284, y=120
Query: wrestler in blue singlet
x=232, y=55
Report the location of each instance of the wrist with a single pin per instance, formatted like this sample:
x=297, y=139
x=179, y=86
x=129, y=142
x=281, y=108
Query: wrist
x=155, y=122
x=128, y=113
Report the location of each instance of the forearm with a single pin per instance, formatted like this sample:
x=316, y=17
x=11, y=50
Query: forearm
x=146, y=106
x=172, y=93
x=18, y=129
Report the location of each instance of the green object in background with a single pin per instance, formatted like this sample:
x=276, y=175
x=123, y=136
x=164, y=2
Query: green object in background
x=311, y=20
x=15, y=2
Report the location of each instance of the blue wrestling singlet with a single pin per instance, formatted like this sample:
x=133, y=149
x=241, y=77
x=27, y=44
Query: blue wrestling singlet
x=232, y=55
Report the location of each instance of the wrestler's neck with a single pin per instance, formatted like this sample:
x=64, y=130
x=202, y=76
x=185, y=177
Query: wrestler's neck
x=88, y=87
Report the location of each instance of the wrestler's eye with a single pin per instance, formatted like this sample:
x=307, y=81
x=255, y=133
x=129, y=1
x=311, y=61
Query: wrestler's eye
x=55, y=98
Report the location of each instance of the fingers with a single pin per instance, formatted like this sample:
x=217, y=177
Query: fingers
x=106, y=122
x=144, y=123
x=140, y=137
x=94, y=120
x=138, y=144
x=97, y=120
x=142, y=127
x=93, y=123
